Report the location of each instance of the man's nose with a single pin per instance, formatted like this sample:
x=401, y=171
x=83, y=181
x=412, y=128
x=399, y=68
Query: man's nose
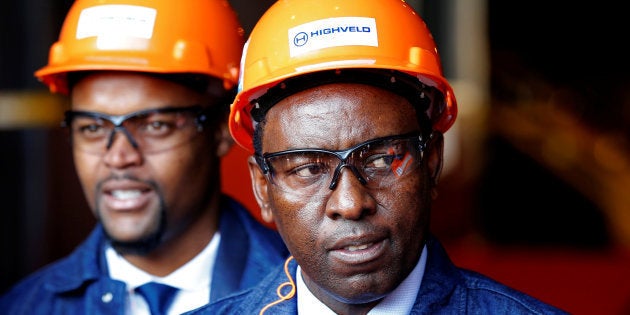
x=337, y=174
x=126, y=134
x=350, y=199
x=121, y=150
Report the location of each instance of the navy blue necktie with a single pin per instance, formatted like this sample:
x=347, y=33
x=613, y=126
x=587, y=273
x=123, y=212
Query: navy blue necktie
x=158, y=296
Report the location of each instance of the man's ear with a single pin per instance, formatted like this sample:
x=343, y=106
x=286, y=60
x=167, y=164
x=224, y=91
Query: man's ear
x=435, y=157
x=223, y=139
x=260, y=187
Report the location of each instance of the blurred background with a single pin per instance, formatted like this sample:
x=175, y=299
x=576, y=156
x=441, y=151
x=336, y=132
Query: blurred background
x=535, y=189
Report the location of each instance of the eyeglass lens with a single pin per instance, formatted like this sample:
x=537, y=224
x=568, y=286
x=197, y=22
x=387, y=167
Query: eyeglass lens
x=376, y=163
x=150, y=131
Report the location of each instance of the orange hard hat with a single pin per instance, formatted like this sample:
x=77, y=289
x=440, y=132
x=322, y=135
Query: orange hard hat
x=298, y=37
x=157, y=36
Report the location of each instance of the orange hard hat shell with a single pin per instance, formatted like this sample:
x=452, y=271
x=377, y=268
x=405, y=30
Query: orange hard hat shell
x=157, y=36
x=394, y=37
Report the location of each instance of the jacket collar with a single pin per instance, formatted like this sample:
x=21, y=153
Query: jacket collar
x=86, y=262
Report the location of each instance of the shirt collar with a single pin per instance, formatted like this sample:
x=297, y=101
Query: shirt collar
x=190, y=276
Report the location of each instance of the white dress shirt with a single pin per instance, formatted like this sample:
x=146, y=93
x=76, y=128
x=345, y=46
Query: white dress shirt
x=192, y=279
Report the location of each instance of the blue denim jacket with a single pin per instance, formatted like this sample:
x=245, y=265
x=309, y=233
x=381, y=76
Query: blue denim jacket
x=445, y=289
x=79, y=283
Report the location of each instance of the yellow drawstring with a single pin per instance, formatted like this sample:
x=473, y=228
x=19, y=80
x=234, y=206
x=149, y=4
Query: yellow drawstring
x=282, y=297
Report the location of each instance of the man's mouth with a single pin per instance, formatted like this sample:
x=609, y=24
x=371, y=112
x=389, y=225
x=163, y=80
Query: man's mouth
x=359, y=247
x=126, y=194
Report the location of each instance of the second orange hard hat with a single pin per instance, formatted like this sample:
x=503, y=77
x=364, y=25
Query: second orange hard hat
x=158, y=36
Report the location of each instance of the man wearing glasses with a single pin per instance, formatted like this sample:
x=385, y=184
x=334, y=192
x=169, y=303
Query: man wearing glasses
x=343, y=106
x=150, y=85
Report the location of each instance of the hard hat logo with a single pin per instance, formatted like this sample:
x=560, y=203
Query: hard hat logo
x=300, y=39
x=332, y=32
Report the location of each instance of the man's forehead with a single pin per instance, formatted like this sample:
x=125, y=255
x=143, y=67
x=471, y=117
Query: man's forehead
x=395, y=82
x=336, y=117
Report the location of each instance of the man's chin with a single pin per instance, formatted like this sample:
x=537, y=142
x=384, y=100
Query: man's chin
x=136, y=247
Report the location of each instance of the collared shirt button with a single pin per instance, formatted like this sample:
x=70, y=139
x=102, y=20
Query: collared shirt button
x=107, y=297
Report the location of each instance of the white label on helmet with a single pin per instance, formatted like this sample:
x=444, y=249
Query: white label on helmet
x=116, y=21
x=332, y=32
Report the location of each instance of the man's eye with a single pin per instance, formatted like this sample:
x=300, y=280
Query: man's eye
x=157, y=127
x=310, y=170
x=92, y=130
x=381, y=161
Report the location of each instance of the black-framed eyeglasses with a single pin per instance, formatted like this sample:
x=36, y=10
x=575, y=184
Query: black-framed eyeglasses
x=151, y=130
x=376, y=163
